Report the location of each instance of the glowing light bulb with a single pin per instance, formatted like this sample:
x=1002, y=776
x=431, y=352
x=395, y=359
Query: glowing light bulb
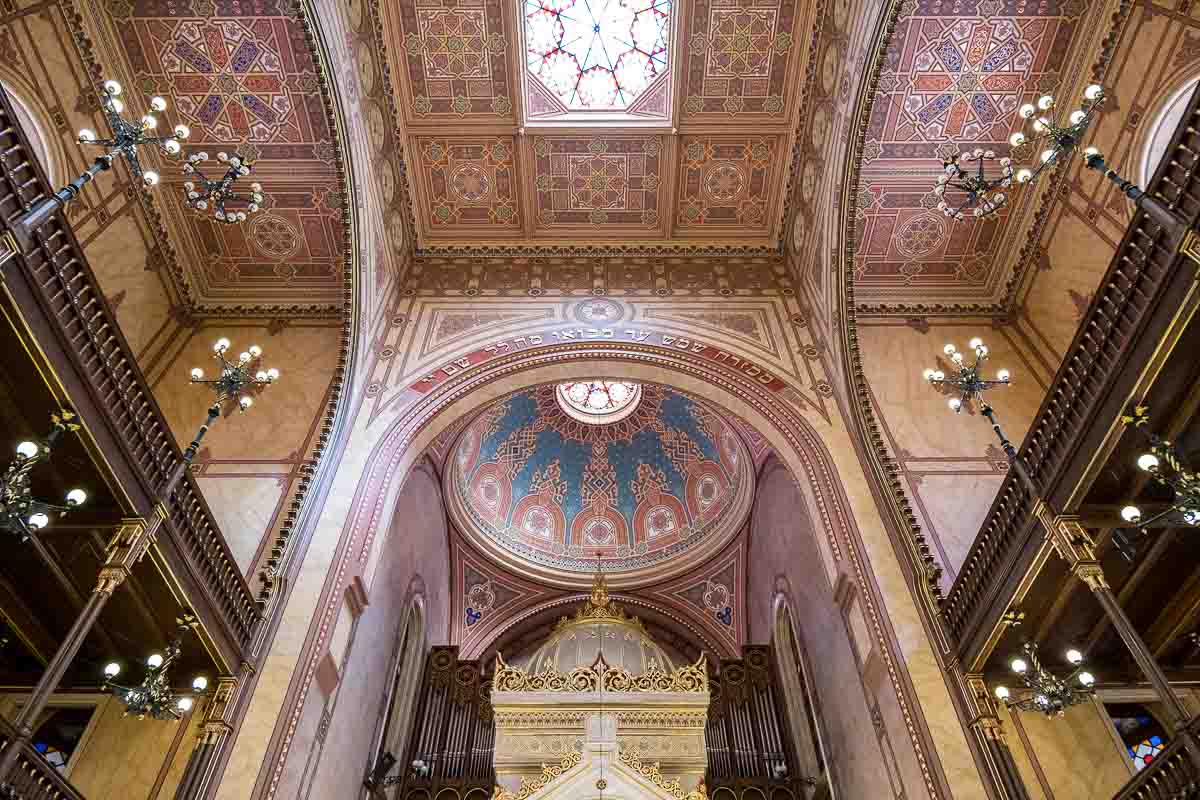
x=245, y=402
x=1024, y=176
x=957, y=358
x=27, y=450
x=1147, y=462
x=1039, y=125
x=1191, y=516
x=1045, y=102
x=154, y=661
x=1078, y=117
x=272, y=373
x=1094, y=92
x=87, y=135
x=158, y=104
x=76, y=497
x=111, y=670
x=1087, y=678
x=1091, y=151
x=244, y=356
x=929, y=374
x=949, y=349
x=1028, y=110
x=939, y=375
x=150, y=178
x=976, y=343
x=38, y=521
x=255, y=350
x=955, y=404
x=261, y=376
x=1074, y=656
x=1017, y=139
x=222, y=345
x=1002, y=693
x=117, y=105
x=200, y=683
x=197, y=374
x=172, y=147
x=184, y=704
x=149, y=122
x=1047, y=155
x=112, y=87
x=1131, y=514
x=1019, y=666
x=183, y=131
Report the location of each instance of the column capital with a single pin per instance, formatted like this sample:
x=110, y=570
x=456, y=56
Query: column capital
x=1072, y=543
x=217, y=710
x=985, y=716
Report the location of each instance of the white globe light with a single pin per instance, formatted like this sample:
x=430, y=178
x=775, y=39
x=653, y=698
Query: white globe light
x=1045, y=101
x=949, y=349
x=982, y=350
x=243, y=170
x=222, y=156
x=150, y=177
x=87, y=135
x=1093, y=92
x=1028, y=110
x=1047, y=155
x=117, y=105
x=1017, y=139
x=1087, y=678
x=222, y=345
x=158, y=104
x=1091, y=151
x=1131, y=514
x=1074, y=656
x=201, y=205
x=1019, y=666
x=976, y=343
x=183, y=131
x=154, y=661
x=76, y=497
x=38, y=521
x=189, y=185
x=261, y=375
x=112, y=670
x=929, y=374
x=1024, y=176
x=112, y=87
x=939, y=376
x=197, y=374
x=1003, y=375
x=1148, y=462
x=272, y=373
x=184, y=703
x=1002, y=692
x=1191, y=516
x=1039, y=125
x=243, y=356
x=172, y=146
x=149, y=122
x=957, y=358
x=955, y=404
x=1078, y=117
x=245, y=402
x=200, y=683
x=27, y=449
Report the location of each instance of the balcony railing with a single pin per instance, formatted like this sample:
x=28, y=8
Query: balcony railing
x=33, y=778
x=1173, y=775
x=64, y=292
x=1133, y=307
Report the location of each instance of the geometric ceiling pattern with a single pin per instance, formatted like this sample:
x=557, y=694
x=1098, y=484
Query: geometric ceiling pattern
x=656, y=488
x=243, y=78
x=950, y=82
x=518, y=132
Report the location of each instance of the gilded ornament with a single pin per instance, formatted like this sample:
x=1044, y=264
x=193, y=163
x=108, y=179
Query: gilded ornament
x=652, y=773
x=549, y=773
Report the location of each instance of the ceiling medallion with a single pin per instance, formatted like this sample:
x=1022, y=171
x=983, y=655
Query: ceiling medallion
x=599, y=402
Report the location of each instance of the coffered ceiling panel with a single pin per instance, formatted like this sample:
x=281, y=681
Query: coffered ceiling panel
x=518, y=133
x=242, y=77
x=953, y=81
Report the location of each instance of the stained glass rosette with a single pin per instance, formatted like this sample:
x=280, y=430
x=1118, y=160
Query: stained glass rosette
x=597, y=54
x=599, y=401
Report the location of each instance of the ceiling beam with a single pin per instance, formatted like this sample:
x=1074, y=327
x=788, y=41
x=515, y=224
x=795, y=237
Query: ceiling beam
x=26, y=624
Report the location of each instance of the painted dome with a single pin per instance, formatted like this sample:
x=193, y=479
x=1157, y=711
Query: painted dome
x=650, y=493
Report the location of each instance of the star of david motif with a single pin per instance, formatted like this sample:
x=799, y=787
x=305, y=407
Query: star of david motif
x=742, y=42
x=598, y=182
x=228, y=79
x=967, y=84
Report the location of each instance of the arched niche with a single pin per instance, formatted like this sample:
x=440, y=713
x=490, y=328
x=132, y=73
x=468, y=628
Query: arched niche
x=1154, y=140
x=38, y=123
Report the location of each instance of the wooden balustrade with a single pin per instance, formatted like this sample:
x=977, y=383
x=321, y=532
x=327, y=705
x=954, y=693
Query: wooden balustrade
x=65, y=294
x=1134, y=305
x=34, y=778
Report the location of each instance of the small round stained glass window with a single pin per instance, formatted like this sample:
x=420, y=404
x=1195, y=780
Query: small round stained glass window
x=597, y=401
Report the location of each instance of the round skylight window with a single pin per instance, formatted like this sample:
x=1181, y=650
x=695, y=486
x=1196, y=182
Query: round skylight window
x=598, y=402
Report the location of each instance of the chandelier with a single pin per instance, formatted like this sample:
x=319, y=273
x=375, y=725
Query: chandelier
x=128, y=136
x=20, y=512
x=1043, y=691
x=1059, y=138
x=154, y=696
x=966, y=381
x=981, y=193
x=235, y=378
x=200, y=192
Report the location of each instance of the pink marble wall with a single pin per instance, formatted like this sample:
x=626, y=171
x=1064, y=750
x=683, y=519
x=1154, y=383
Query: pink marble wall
x=339, y=730
x=785, y=556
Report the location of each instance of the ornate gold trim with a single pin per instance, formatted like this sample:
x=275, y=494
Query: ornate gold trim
x=8, y=247
x=651, y=773
x=549, y=774
x=1190, y=246
x=602, y=678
